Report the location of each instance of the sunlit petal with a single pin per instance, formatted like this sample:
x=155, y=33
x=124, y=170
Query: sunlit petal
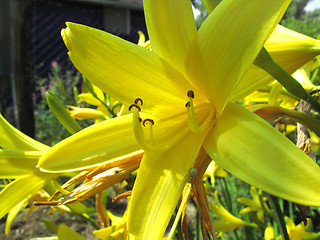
x=170, y=29
x=12, y=138
x=291, y=50
x=20, y=189
x=156, y=193
x=263, y=157
x=16, y=163
x=124, y=70
x=92, y=146
x=228, y=42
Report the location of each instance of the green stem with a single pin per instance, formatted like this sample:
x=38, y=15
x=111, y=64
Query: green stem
x=225, y=193
x=266, y=62
x=279, y=216
x=314, y=75
x=236, y=234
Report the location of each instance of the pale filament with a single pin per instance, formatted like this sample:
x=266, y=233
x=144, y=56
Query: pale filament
x=192, y=120
x=138, y=131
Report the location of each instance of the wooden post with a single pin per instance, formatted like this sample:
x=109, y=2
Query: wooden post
x=5, y=62
x=21, y=64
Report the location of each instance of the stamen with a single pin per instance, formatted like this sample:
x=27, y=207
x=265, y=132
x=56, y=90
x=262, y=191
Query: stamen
x=62, y=190
x=52, y=203
x=147, y=120
x=138, y=100
x=190, y=94
x=192, y=121
x=186, y=192
x=138, y=131
x=150, y=123
x=134, y=105
x=121, y=196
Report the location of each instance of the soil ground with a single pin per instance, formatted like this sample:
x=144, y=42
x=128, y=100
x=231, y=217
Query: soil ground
x=33, y=227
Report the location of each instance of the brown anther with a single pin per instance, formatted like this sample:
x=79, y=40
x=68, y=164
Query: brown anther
x=50, y=203
x=190, y=94
x=138, y=100
x=188, y=104
x=140, y=119
x=134, y=105
x=147, y=120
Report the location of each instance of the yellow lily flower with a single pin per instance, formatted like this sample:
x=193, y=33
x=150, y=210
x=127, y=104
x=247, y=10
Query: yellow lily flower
x=226, y=221
x=253, y=204
x=303, y=77
x=85, y=113
x=275, y=94
x=269, y=232
x=183, y=89
x=290, y=49
x=88, y=98
x=298, y=232
x=214, y=170
x=116, y=231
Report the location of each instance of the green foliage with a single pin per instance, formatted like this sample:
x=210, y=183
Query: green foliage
x=62, y=85
x=198, y=4
x=299, y=20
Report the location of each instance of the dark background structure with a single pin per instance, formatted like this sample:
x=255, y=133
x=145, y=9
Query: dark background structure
x=30, y=41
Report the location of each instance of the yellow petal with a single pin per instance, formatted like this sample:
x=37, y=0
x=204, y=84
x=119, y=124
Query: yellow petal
x=124, y=70
x=291, y=50
x=295, y=45
x=12, y=138
x=20, y=189
x=248, y=147
x=228, y=42
x=85, y=113
x=171, y=28
x=13, y=213
x=16, y=163
x=89, y=98
x=269, y=232
x=303, y=77
x=92, y=146
x=159, y=184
